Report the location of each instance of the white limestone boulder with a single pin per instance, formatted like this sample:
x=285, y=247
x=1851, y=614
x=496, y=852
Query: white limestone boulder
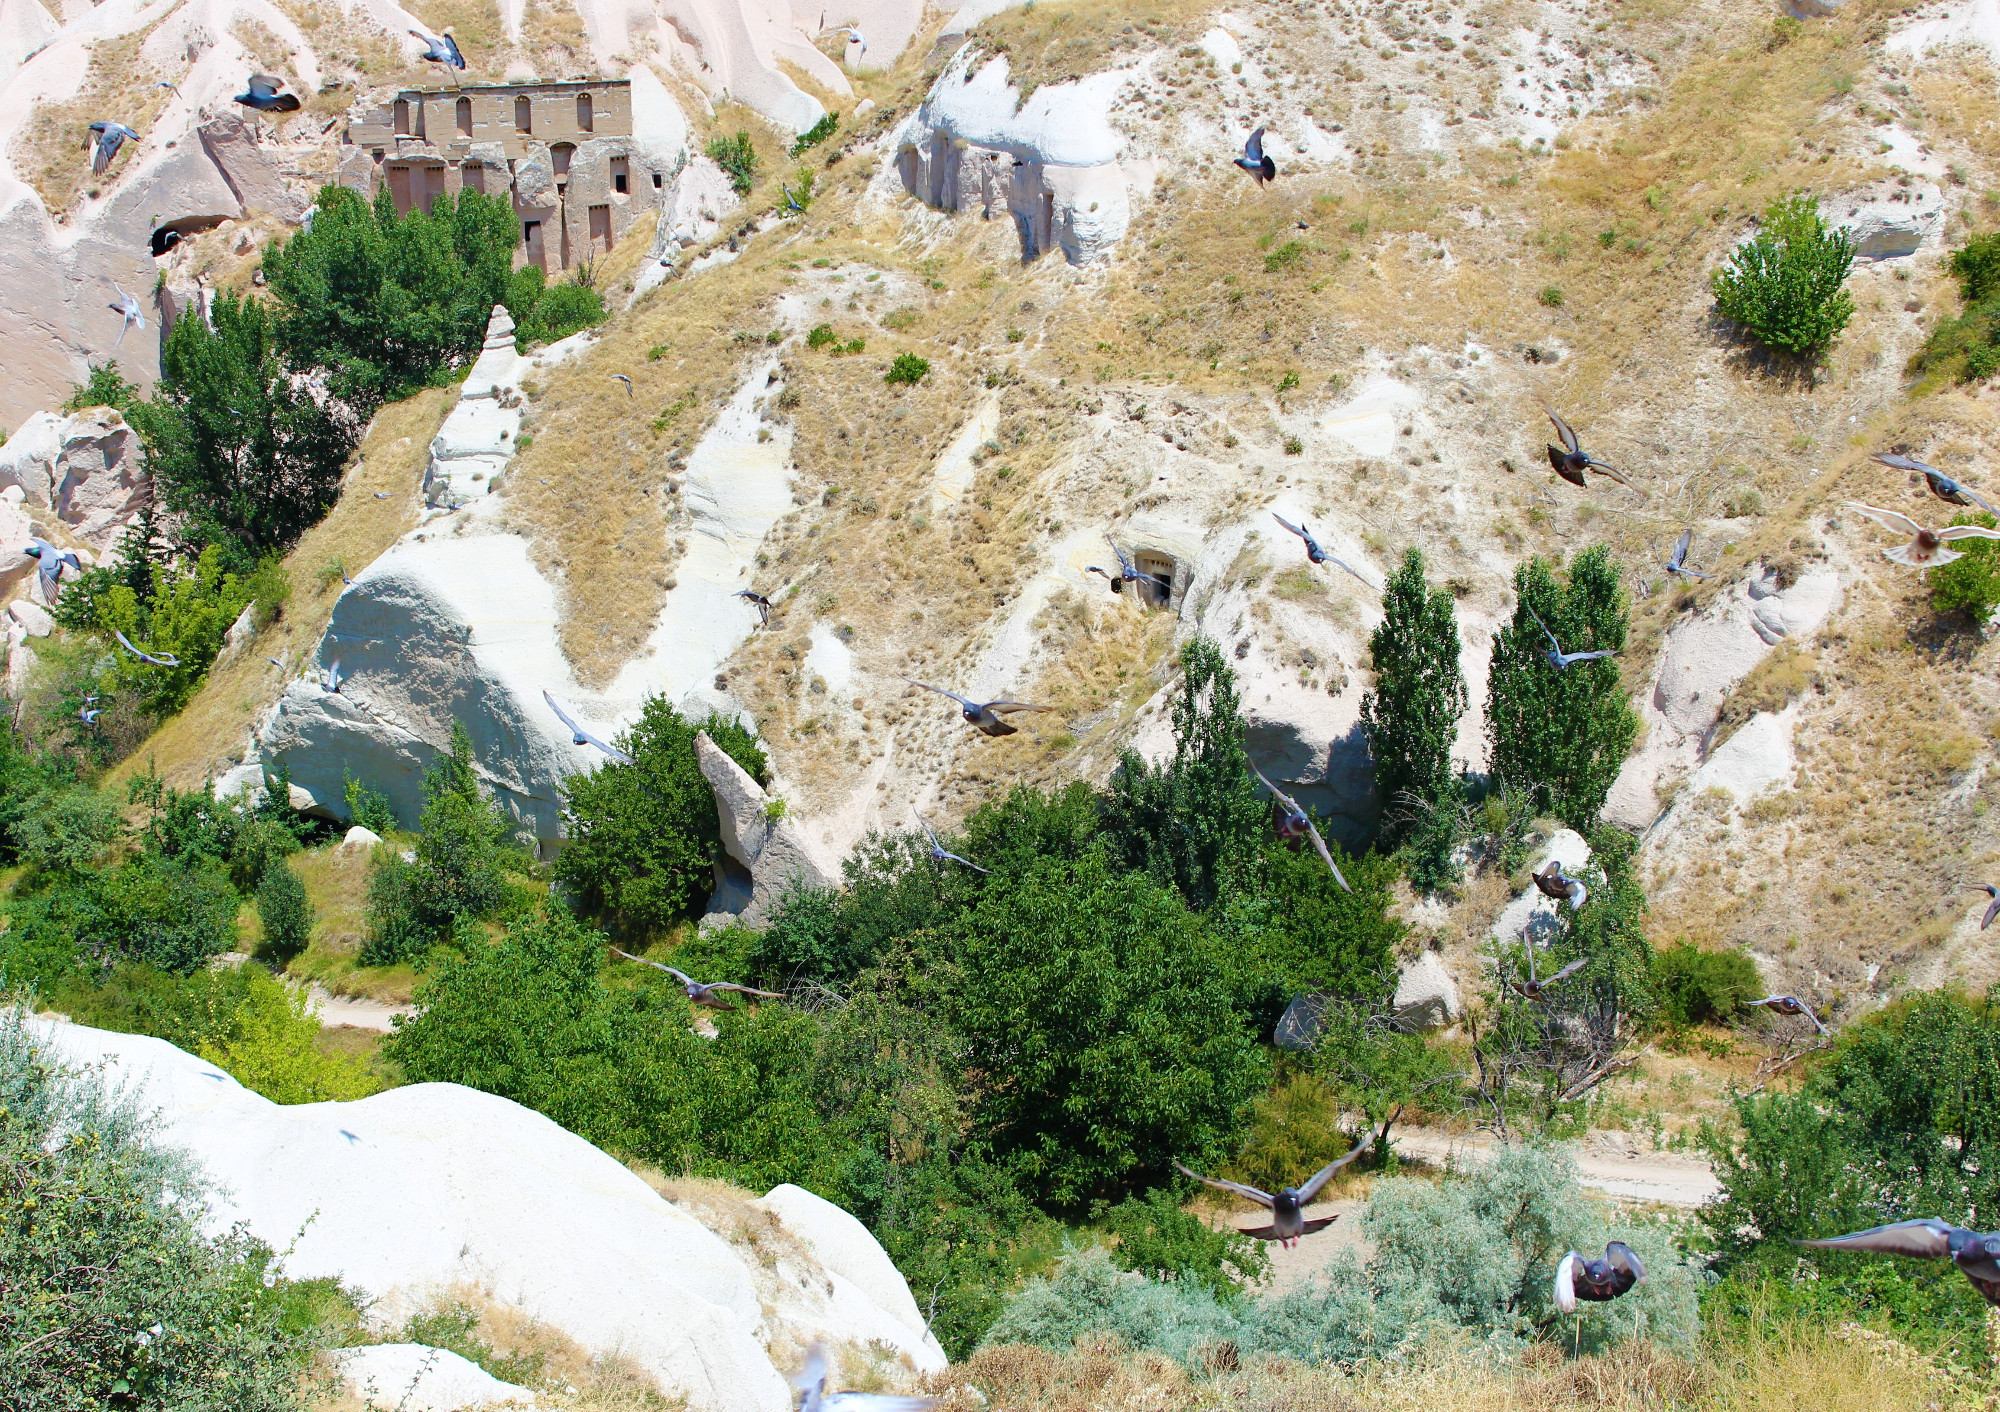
x=86, y=469
x=1533, y=917
x=359, y=839
x=410, y=1377
x=779, y=855
x=420, y=1188
x=34, y=620
x=1886, y=220
x=1426, y=995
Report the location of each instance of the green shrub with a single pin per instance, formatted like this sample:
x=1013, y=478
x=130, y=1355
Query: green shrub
x=1551, y=297
x=821, y=336
x=367, y=806
x=1694, y=986
x=1291, y=253
x=1153, y=1236
x=394, y=931
x=282, y=907
x=544, y=313
x=1969, y=584
x=816, y=134
x=67, y=830
x=737, y=157
x=272, y=1046
x=908, y=369
x=104, y=387
x=457, y=872
x=1319, y=937
x=1785, y=286
x=188, y=1011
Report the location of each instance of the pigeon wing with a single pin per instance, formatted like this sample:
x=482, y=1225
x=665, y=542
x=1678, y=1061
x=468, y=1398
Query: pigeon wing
x=562, y=715
x=1325, y=1174
x=1992, y=911
x=1325, y=854
x=1926, y=1238
x=264, y=85
x=1566, y=1283
x=1260, y=1197
x=1568, y=437
x=813, y=1375
x=969, y=705
x=1888, y=519
x=748, y=990
x=1254, y=148
x=1545, y=629
x=1566, y=972
x=1004, y=707
x=681, y=976
x=451, y=48
x=1968, y=532
x=1901, y=462
x=1621, y=1257
x=874, y=1402
x=1290, y=526
x=1621, y=478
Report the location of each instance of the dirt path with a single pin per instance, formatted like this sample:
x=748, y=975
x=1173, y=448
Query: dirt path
x=355, y=1012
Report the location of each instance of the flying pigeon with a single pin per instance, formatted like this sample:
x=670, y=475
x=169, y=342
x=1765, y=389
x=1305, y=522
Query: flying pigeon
x=1993, y=908
x=1926, y=548
x=1941, y=485
x=1254, y=161
x=52, y=561
x=762, y=603
x=1790, y=1005
x=276, y=663
x=1287, y=1221
x=1927, y=1238
x=1677, y=562
x=329, y=678
x=441, y=48
x=1553, y=882
x=133, y=314
x=986, y=716
x=811, y=1380
x=1597, y=1280
x=88, y=716
x=1128, y=572
x=167, y=661
x=706, y=995
x=938, y=855
x=163, y=83
x=1559, y=658
x=262, y=94
x=791, y=200
x=620, y=377
x=1531, y=989
x=381, y=495
x=580, y=736
x=110, y=137
x=1313, y=550
x=853, y=33
x=1294, y=821
x=1569, y=459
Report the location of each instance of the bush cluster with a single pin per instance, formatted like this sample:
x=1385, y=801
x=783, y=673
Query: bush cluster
x=1787, y=285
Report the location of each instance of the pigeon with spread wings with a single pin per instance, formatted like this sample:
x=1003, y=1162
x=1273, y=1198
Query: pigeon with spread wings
x=759, y=601
x=127, y=307
x=262, y=94
x=169, y=660
x=1570, y=459
x=1288, y=1221
x=1294, y=822
x=580, y=736
x=50, y=562
x=1992, y=908
x=1927, y=1238
x=1531, y=988
x=1597, y=1280
x=1789, y=1005
x=708, y=994
x=1553, y=882
x=1314, y=551
x=1254, y=160
x=1559, y=658
x=1677, y=562
x=1927, y=547
x=104, y=146
x=1941, y=485
x=938, y=854
x=985, y=715
x=1128, y=572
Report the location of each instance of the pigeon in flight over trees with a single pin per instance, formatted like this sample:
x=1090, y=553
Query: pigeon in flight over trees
x=1294, y=822
x=440, y=48
x=938, y=854
x=1559, y=658
x=1927, y=547
x=987, y=716
x=88, y=716
x=51, y=561
x=811, y=1380
x=707, y=995
x=1790, y=1005
x=1288, y=1222
x=1941, y=485
x=1254, y=160
x=762, y=604
x=1128, y=572
x=1554, y=882
x=620, y=377
x=1677, y=562
x=167, y=661
x=110, y=137
x=128, y=308
x=1313, y=550
x=1597, y=1280
x=1531, y=989
x=580, y=736
x=1992, y=908
x=1927, y=1238
x=1570, y=459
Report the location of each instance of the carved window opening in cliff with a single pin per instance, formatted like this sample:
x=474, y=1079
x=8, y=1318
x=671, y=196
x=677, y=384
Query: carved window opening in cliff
x=600, y=231
x=1161, y=566
x=433, y=191
x=472, y=177
x=399, y=189
x=417, y=120
x=463, y=114
x=531, y=243
x=524, y=115
x=657, y=181
x=584, y=117
x=560, y=155
x=621, y=175
x=402, y=122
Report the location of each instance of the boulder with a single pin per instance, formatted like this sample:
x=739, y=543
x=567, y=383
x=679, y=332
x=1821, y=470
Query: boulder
x=1426, y=996
x=1887, y=221
x=410, y=1377
x=86, y=469
x=431, y=1185
x=20, y=661
x=34, y=621
x=865, y=1284
x=1298, y=1029
x=359, y=840
x=1532, y=917
x=251, y=170
x=779, y=855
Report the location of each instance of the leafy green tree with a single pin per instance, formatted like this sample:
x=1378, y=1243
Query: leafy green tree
x=384, y=304
x=241, y=448
x=1562, y=732
x=1317, y=937
x=457, y=872
x=643, y=837
x=543, y=313
x=1969, y=584
x=1380, y=1066
x=1786, y=286
x=1158, y=1239
x=283, y=909
x=1968, y=347
x=1411, y=715
x=1197, y=821
x=737, y=156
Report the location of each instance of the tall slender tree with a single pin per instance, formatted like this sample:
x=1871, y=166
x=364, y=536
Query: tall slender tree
x=1411, y=717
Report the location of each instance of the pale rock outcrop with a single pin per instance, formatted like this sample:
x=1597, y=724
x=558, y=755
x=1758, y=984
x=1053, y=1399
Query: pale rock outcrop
x=34, y=619
x=1051, y=165
x=359, y=839
x=1533, y=917
x=25, y=26
x=1886, y=221
x=778, y=854
x=20, y=661
x=410, y=1377
x=697, y=200
x=245, y=164
x=423, y=1187
x=1426, y=996
x=16, y=529
x=86, y=469
x=477, y=440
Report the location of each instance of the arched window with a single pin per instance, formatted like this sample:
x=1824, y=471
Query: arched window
x=524, y=115
x=560, y=154
x=402, y=117
x=584, y=117
x=465, y=117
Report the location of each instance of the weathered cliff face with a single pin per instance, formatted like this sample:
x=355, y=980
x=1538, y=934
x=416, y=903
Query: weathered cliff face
x=84, y=472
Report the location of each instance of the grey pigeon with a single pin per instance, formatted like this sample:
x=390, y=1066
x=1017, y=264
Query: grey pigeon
x=620, y=377
x=938, y=855
x=811, y=1380
x=1532, y=988
x=173, y=87
x=985, y=715
x=853, y=33
x=1597, y=1280
x=1941, y=485
x=1927, y=1238
x=1790, y=1005
x=329, y=678
x=51, y=562
x=88, y=716
x=762, y=604
x=262, y=94
x=1288, y=1221
x=580, y=736
x=167, y=661
x=110, y=137
x=1313, y=550
x=1553, y=882
x=1128, y=572
x=1254, y=161
x=1992, y=908
x=791, y=201
x=1559, y=658
x=128, y=307
x=1294, y=822
x=1570, y=459
x=1927, y=547
x=709, y=994
x=440, y=49
x=1677, y=562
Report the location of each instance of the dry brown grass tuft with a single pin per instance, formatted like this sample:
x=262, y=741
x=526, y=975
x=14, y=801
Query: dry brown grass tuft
x=1060, y=40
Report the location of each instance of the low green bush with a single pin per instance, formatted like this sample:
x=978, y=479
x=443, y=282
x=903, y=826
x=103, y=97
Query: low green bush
x=271, y=1045
x=908, y=369
x=816, y=134
x=1969, y=584
x=1786, y=286
x=284, y=910
x=737, y=156
x=1694, y=986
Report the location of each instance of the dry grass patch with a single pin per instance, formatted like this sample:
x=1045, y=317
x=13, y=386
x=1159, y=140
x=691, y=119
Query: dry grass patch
x=52, y=153
x=209, y=735
x=1059, y=40
x=337, y=890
